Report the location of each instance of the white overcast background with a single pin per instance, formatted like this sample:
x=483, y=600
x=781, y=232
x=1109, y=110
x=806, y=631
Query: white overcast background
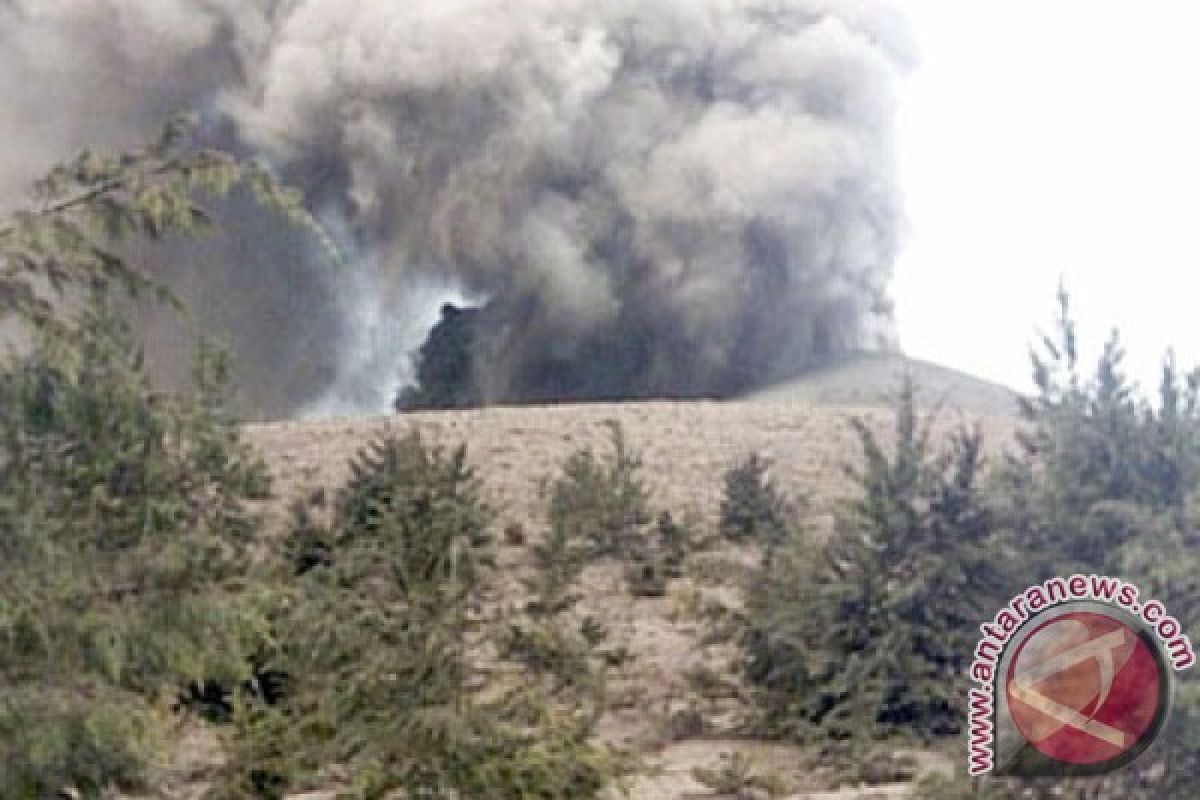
x=1048, y=138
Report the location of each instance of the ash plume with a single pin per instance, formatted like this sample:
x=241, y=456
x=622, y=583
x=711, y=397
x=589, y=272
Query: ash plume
x=679, y=198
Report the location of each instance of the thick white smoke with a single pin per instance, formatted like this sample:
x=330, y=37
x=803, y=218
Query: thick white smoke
x=677, y=197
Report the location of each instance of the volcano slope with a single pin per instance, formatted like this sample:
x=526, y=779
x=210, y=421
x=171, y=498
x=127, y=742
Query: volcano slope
x=872, y=379
x=686, y=447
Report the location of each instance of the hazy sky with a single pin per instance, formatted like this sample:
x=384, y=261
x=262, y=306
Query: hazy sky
x=1048, y=138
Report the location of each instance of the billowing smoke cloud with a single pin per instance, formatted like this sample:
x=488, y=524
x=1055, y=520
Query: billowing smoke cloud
x=685, y=197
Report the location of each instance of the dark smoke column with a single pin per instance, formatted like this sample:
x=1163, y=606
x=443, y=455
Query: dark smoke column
x=681, y=198
x=667, y=198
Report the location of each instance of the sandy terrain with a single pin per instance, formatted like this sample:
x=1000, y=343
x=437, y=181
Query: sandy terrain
x=686, y=447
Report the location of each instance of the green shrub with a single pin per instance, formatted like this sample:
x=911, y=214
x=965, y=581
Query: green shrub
x=599, y=508
x=381, y=639
x=1096, y=454
x=868, y=637
x=125, y=542
x=602, y=501
x=558, y=560
x=51, y=740
x=752, y=508
x=572, y=657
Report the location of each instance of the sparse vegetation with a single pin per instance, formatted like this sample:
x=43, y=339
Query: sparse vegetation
x=558, y=561
x=599, y=508
x=602, y=501
x=861, y=645
x=382, y=642
x=595, y=509
x=737, y=776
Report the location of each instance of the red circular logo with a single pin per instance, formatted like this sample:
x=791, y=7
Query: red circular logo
x=1085, y=688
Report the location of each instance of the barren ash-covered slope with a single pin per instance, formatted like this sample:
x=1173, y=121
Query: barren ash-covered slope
x=686, y=447
x=799, y=425
x=871, y=378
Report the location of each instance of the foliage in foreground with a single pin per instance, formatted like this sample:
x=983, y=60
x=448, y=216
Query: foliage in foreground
x=1100, y=461
x=1107, y=480
x=869, y=639
x=381, y=637
x=124, y=539
x=70, y=241
x=867, y=647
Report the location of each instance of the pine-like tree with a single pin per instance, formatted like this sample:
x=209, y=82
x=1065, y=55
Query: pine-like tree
x=602, y=500
x=868, y=637
x=383, y=642
x=1106, y=480
x=126, y=544
x=752, y=507
x=124, y=541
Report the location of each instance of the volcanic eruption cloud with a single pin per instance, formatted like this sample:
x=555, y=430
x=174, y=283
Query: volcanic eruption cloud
x=641, y=199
